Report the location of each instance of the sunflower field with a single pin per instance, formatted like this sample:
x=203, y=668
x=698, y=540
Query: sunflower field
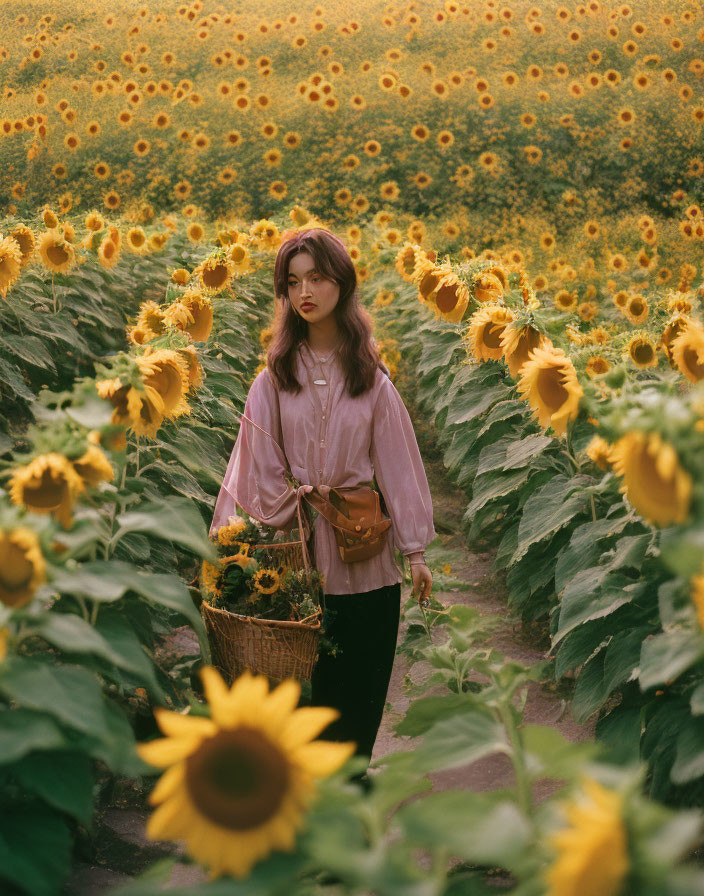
x=521, y=188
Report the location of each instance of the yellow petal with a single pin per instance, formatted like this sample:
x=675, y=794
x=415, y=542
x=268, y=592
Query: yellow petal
x=283, y=700
x=167, y=784
x=213, y=685
x=306, y=723
x=176, y=724
x=165, y=822
x=321, y=758
x=167, y=750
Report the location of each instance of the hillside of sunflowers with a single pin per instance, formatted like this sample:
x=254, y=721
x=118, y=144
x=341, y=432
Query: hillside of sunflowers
x=521, y=188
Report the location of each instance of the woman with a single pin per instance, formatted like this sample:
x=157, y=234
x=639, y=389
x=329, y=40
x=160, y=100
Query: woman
x=326, y=398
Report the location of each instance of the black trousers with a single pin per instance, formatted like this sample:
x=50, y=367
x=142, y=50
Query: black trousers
x=364, y=629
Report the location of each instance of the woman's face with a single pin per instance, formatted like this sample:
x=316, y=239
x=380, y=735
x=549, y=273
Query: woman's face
x=307, y=286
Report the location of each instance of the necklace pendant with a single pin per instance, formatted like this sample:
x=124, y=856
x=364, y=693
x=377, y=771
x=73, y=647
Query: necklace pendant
x=320, y=382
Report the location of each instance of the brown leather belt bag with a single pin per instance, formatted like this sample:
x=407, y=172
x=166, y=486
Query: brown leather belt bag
x=355, y=514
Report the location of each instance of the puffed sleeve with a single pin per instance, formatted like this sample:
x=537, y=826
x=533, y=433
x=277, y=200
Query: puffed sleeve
x=400, y=474
x=254, y=478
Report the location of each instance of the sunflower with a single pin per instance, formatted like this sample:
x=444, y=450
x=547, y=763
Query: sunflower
x=26, y=239
x=192, y=313
x=592, y=852
x=167, y=372
x=56, y=252
x=180, y=276
x=142, y=410
x=654, y=482
x=139, y=335
x=549, y=383
x=642, y=350
x=237, y=783
x=195, y=371
x=93, y=466
x=597, y=365
x=151, y=318
x=636, y=310
x=49, y=219
x=227, y=534
x=136, y=240
x=688, y=351
x=405, y=262
x=10, y=264
x=488, y=287
x=22, y=567
x=211, y=578
x=565, y=300
x=450, y=298
x=486, y=328
x=240, y=259
x=266, y=580
x=108, y=252
x=599, y=451
x=673, y=328
x=215, y=274
x=48, y=484
x=427, y=276
x=517, y=344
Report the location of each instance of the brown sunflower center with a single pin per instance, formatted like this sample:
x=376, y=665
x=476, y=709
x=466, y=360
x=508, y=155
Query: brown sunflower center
x=636, y=308
x=447, y=298
x=692, y=363
x=167, y=383
x=642, y=353
x=428, y=283
x=48, y=492
x=238, y=778
x=491, y=335
x=57, y=254
x=551, y=391
x=216, y=276
x=660, y=491
x=16, y=570
x=598, y=365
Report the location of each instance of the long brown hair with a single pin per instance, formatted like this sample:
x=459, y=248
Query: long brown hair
x=358, y=353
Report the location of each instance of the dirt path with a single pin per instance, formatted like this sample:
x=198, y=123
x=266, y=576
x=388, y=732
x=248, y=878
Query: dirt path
x=487, y=593
x=120, y=849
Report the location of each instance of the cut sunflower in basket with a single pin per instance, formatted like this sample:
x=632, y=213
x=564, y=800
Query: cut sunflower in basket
x=253, y=578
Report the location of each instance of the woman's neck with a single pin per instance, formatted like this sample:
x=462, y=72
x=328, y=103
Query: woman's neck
x=323, y=339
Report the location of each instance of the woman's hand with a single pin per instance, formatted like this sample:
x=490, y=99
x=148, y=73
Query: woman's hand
x=422, y=581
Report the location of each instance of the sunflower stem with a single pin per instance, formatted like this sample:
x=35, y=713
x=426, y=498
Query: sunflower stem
x=94, y=613
x=591, y=498
x=523, y=788
x=84, y=608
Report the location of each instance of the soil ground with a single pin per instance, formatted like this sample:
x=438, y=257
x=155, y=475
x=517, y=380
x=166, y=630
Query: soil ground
x=119, y=849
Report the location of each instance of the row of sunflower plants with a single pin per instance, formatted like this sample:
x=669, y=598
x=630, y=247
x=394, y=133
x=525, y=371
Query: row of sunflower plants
x=264, y=806
x=577, y=435
x=107, y=494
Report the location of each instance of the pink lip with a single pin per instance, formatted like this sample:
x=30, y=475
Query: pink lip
x=307, y=305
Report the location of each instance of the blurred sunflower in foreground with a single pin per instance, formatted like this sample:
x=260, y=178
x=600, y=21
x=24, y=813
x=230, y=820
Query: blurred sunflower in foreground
x=236, y=784
x=592, y=851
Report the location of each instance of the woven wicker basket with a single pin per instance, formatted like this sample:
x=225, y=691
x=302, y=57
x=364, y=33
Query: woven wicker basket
x=276, y=648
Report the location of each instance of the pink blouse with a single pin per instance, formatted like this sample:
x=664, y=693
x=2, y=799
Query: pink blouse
x=330, y=439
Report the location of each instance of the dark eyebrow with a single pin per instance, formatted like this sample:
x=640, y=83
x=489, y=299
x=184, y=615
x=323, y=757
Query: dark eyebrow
x=312, y=270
